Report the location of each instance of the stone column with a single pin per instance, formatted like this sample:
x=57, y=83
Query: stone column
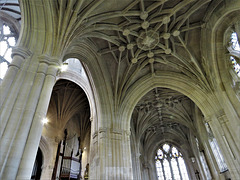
x=11, y=85
x=145, y=169
x=152, y=170
x=30, y=150
x=138, y=163
x=30, y=82
x=13, y=111
x=19, y=55
x=114, y=155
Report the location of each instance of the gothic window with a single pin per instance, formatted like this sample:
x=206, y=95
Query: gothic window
x=7, y=41
x=203, y=161
x=234, y=51
x=170, y=164
x=215, y=149
x=232, y=41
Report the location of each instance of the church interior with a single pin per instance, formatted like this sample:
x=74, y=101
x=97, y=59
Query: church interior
x=120, y=89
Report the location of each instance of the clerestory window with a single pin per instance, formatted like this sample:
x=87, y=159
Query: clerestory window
x=216, y=150
x=7, y=41
x=203, y=161
x=170, y=163
x=234, y=51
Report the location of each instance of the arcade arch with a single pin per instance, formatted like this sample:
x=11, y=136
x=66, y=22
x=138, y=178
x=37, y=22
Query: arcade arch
x=166, y=116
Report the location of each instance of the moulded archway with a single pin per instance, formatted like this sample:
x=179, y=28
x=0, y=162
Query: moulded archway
x=86, y=51
x=83, y=82
x=216, y=31
x=162, y=115
x=207, y=103
x=68, y=117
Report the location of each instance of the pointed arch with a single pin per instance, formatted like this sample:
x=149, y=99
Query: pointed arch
x=207, y=102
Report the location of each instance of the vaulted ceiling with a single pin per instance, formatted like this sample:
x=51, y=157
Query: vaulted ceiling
x=133, y=39
x=68, y=102
x=140, y=38
x=162, y=114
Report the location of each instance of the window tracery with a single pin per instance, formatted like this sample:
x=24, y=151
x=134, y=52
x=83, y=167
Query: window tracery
x=203, y=161
x=8, y=39
x=216, y=150
x=235, y=51
x=232, y=37
x=170, y=163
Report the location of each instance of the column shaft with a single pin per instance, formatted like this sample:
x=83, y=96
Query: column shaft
x=12, y=112
x=114, y=161
x=30, y=151
x=19, y=141
x=19, y=55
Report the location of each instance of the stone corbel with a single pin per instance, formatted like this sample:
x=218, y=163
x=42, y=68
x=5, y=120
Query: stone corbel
x=207, y=119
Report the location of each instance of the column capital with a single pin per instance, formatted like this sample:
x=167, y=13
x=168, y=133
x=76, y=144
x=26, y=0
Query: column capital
x=20, y=51
x=44, y=58
x=222, y=117
x=120, y=132
x=106, y=132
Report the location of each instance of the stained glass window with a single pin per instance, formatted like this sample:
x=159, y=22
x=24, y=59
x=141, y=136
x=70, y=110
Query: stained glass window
x=170, y=164
x=7, y=41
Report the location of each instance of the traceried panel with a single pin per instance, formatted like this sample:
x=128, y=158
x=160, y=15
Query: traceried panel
x=235, y=42
x=216, y=150
x=235, y=56
x=170, y=163
x=7, y=41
